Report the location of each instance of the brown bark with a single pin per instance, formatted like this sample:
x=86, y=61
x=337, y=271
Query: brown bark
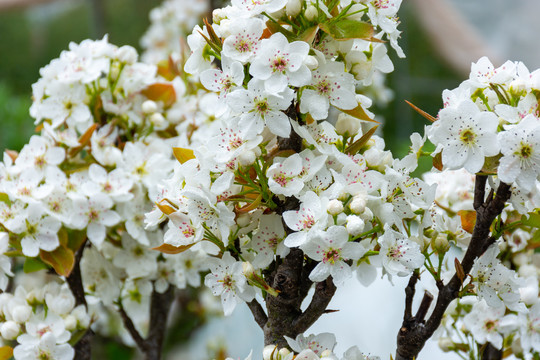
x=414, y=331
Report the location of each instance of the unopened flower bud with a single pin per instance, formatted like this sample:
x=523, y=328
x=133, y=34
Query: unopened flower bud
x=35, y=296
x=367, y=215
x=247, y=269
x=355, y=225
x=347, y=125
x=334, y=207
x=126, y=54
x=278, y=14
x=446, y=344
x=518, y=86
x=311, y=62
x=149, y=107
x=293, y=7
x=358, y=204
x=516, y=346
x=311, y=12
x=284, y=352
x=157, y=120
x=270, y=352
x=243, y=220
x=247, y=158
x=218, y=15
x=10, y=330
x=21, y=313
x=70, y=322
x=440, y=243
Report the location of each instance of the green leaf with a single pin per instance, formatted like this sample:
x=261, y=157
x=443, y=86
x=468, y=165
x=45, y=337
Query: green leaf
x=76, y=239
x=347, y=29
x=62, y=260
x=33, y=264
x=5, y=198
x=275, y=27
x=533, y=220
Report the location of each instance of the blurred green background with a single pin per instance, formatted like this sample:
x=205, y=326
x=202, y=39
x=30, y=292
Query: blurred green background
x=31, y=37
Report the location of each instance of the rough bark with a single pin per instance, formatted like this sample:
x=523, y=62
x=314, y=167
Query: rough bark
x=415, y=331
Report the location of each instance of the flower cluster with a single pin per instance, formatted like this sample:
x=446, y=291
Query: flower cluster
x=491, y=124
x=82, y=185
x=169, y=25
x=42, y=321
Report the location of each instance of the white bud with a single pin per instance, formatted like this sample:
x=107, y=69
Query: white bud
x=518, y=85
x=361, y=69
x=445, y=344
x=126, y=54
x=247, y=158
x=334, y=207
x=284, y=352
x=158, y=120
x=103, y=83
x=21, y=313
x=270, y=352
x=358, y=204
x=149, y=107
x=516, y=346
x=347, y=124
x=218, y=15
x=529, y=294
x=355, y=225
x=61, y=303
x=70, y=322
x=367, y=215
x=441, y=242
x=247, y=269
x=311, y=62
x=293, y=7
x=243, y=220
x=311, y=12
x=35, y=295
x=10, y=330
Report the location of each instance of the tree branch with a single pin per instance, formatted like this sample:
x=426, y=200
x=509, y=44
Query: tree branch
x=413, y=334
x=491, y=352
x=130, y=327
x=258, y=313
x=324, y=291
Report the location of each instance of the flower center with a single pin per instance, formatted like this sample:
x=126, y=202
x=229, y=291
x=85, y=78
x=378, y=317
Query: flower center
x=279, y=64
x=261, y=106
x=525, y=151
x=331, y=256
x=467, y=136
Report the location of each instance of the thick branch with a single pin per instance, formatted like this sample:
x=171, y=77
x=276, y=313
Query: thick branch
x=258, y=313
x=159, y=312
x=413, y=334
x=324, y=291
